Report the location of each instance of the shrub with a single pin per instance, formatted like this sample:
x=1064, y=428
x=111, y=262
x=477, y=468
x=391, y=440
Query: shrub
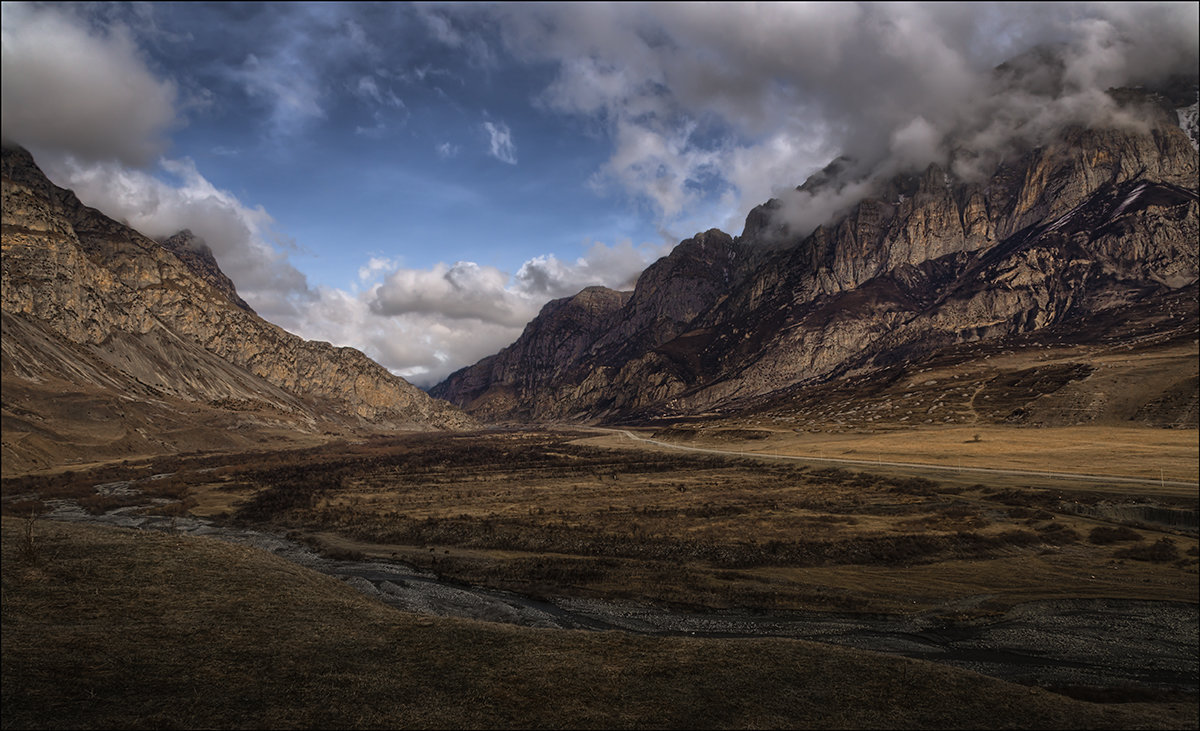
x=29, y=541
x=1058, y=534
x=22, y=508
x=1105, y=535
x=1161, y=551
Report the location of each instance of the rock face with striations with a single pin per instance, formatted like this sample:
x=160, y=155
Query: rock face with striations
x=1055, y=238
x=195, y=254
x=114, y=318
x=577, y=345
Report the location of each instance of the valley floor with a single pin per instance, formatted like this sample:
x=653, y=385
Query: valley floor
x=108, y=628
x=980, y=570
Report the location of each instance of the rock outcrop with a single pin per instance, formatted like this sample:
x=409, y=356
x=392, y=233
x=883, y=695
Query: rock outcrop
x=1057, y=237
x=198, y=257
x=579, y=344
x=98, y=309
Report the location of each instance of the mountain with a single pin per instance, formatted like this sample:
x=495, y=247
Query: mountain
x=117, y=345
x=1080, y=247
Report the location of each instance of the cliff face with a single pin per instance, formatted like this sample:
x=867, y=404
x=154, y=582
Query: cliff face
x=552, y=346
x=569, y=354
x=100, y=309
x=199, y=259
x=1056, y=238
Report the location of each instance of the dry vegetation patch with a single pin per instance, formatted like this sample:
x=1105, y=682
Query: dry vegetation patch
x=548, y=514
x=542, y=513
x=111, y=628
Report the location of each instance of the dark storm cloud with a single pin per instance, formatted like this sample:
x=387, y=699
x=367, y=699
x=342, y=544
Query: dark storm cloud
x=88, y=94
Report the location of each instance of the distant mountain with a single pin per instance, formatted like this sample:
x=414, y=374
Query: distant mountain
x=117, y=345
x=1090, y=239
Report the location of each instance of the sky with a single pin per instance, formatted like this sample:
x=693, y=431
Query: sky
x=417, y=180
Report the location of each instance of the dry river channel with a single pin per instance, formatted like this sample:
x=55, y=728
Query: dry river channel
x=1132, y=646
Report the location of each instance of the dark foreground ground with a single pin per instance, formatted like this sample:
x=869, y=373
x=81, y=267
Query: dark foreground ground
x=108, y=628
x=1080, y=590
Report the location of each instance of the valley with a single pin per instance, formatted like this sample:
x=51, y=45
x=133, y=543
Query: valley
x=916, y=448
x=588, y=529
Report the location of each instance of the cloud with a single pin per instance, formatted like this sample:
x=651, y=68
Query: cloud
x=465, y=290
x=306, y=55
x=711, y=106
x=242, y=238
x=424, y=324
x=445, y=150
x=459, y=29
x=500, y=142
x=421, y=347
x=284, y=83
x=87, y=93
x=616, y=267
x=374, y=266
x=368, y=88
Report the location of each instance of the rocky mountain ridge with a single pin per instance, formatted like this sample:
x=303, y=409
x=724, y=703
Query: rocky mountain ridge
x=96, y=313
x=1056, y=237
x=199, y=259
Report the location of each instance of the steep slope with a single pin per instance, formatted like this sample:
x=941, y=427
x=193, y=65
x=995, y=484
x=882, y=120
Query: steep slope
x=195, y=254
x=1060, y=237
x=577, y=344
x=559, y=338
x=114, y=344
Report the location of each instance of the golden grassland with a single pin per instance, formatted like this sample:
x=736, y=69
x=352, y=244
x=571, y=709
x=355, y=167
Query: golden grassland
x=111, y=628
x=555, y=513
x=1118, y=451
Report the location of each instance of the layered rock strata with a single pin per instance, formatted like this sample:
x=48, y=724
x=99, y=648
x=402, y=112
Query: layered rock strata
x=1064, y=233
x=101, y=309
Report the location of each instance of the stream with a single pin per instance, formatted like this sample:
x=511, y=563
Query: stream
x=1095, y=643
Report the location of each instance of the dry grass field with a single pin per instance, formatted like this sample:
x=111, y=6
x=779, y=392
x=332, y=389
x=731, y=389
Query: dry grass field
x=565, y=513
x=1115, y=451
x=161, y=630
x=111, y=628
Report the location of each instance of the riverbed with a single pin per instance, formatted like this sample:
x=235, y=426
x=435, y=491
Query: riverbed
x=1132, y=646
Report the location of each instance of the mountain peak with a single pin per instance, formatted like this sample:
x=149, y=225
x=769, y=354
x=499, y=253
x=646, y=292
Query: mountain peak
x=115, y=344
x=196, y=254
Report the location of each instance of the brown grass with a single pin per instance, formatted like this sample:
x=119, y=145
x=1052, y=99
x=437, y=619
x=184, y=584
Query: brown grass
x=543, y=514
x=1130, y=451
x=1104, y=535
x=537, y=513
x=126, y=629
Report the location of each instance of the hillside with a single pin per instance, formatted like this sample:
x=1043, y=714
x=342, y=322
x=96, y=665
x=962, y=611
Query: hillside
x=116, y=345
x=1089, y=240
